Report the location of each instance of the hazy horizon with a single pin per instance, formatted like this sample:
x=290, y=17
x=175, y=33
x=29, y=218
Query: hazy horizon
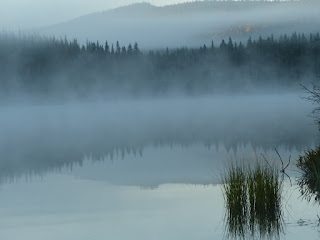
x=28, y=14
x=18, y=15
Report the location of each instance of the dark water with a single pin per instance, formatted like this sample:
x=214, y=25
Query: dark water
x=142, y=169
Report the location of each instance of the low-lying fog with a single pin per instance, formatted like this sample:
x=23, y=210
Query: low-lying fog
x=38, y=138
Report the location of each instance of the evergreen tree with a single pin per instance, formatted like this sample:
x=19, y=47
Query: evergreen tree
x=130, y=49
x=34, y=63
x=112, y=50
x=223, y=45
x=249, y=43
x=123, y=50
x=230, y=45
x=106, y=48
x=118, y=49
x=136, y=50
x=212, y=47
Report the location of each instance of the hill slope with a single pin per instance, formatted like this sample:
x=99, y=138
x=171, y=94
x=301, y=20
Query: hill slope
x=190, y=24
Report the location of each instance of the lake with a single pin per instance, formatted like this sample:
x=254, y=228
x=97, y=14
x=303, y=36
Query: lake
x=146, y=168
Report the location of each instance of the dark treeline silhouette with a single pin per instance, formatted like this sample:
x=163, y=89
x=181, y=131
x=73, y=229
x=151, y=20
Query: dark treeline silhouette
x=48, y=66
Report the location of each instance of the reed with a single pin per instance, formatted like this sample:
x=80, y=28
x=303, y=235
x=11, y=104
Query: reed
x=309, y=180
x=235, y=193
x=253, y=195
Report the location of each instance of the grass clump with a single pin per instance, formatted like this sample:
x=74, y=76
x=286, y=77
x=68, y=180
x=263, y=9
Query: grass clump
x=309, y=181
x=253, y=201
x=235, y=193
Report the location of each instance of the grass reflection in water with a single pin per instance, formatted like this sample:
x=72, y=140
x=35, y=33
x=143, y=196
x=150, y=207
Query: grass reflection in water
x=253, y=197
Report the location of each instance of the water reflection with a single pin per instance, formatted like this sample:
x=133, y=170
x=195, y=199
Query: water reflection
x=309, y=179
x=135, y=169
x=61, y=206
x=38, y=139
x=253, y=201
x=84, y=209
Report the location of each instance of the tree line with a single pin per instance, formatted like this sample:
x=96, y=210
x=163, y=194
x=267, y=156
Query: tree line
x=49, y=66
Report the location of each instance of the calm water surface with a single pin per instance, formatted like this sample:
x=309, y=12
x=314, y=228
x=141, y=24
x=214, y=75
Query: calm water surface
x=143, y=169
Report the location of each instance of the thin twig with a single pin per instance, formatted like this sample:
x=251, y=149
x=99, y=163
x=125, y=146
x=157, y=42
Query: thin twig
x=288, y=163
x=283, y=170
x=279, y=157
x=265, y=159
x=288, y=177
x=313, y=92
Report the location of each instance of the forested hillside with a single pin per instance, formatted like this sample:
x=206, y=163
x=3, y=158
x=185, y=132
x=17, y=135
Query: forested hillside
x=191, y=23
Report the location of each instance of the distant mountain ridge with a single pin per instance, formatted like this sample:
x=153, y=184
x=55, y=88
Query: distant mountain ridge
x=195, y=7
x=191, y=23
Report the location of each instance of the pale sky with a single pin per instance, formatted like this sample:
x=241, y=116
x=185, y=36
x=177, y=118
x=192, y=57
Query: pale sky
x=20, y=14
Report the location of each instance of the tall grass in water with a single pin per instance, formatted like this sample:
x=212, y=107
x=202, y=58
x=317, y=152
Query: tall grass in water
x=253, y=197
x=309, y=181
x=235, y=193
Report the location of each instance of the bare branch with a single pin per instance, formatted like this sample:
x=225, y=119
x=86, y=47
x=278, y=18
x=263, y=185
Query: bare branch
x=288, y=177
x=314, y=90
x=279, y=156
x=288, y=163
x=283, y=170
x=265, y=159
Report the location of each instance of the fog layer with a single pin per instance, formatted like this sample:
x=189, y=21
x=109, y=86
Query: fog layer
x=51, y=69
x=35, y=139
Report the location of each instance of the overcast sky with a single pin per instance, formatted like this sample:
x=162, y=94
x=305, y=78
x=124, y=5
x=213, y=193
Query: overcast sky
x=20, y=14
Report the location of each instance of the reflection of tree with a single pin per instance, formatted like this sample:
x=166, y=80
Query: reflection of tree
x=309, y=164
x=314, y=97
x=37, y=157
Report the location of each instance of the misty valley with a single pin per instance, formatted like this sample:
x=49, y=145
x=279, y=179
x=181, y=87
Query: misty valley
x=194, y=120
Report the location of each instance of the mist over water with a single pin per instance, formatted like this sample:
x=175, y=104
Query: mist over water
x=39, y=138
x=77, y=168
